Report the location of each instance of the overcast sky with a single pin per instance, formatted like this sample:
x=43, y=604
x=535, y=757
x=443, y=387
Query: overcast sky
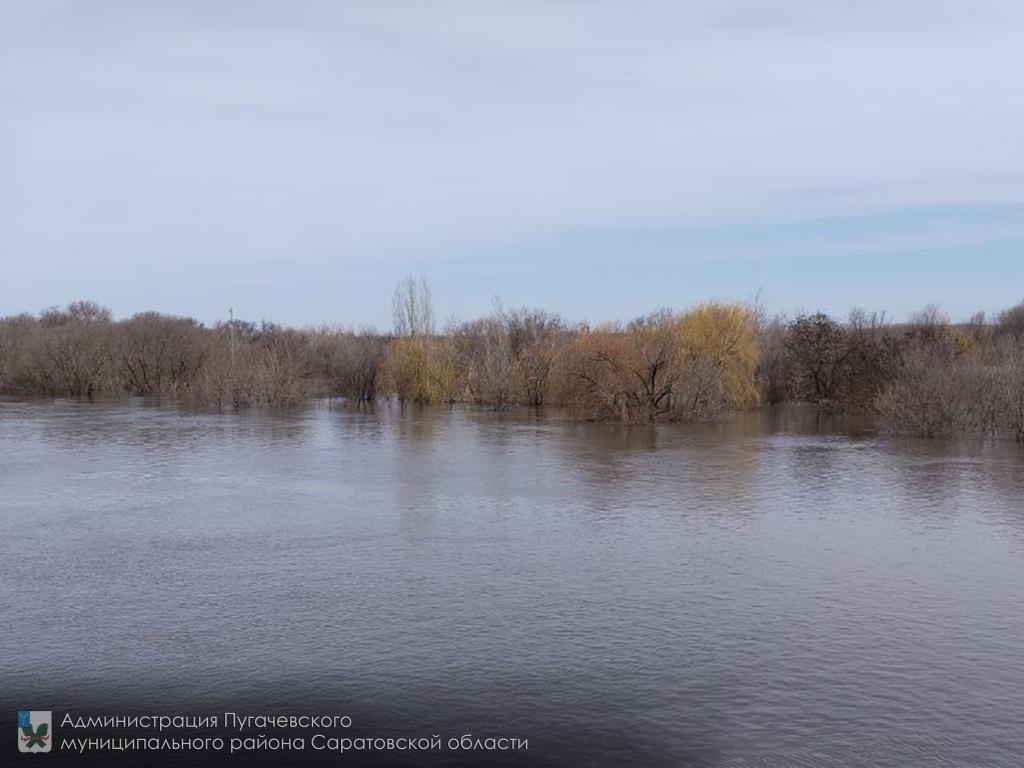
x=601, y=159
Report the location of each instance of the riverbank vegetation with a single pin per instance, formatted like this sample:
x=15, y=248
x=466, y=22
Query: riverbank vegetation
x=929, y=377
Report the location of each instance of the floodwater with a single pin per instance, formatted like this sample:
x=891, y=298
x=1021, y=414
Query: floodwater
x=773, y=591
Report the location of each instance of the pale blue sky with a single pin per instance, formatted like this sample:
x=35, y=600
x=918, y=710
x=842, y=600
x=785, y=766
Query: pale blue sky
x=600, y=159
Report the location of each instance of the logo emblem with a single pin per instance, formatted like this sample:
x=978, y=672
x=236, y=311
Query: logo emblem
x=34, y=730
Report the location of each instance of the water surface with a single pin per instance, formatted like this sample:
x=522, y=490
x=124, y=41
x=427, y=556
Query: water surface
x=775, y=591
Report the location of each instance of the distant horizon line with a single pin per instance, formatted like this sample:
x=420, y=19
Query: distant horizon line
x=988, y=317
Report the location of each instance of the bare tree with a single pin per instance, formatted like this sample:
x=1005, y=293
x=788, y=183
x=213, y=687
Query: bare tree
x=932, y=396
x=412, y=309
x=158, y=354
x=628, y=375
x=774, y=366
x=1010, y=381
x=17, y=336
x=869, y=361
x=1011, y=321
x=74, y=354
x=818, y=348
x=498, y=358
x=535, y=338
x=349, y=362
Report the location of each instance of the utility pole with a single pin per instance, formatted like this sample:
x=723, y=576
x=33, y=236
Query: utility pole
x=231, y=335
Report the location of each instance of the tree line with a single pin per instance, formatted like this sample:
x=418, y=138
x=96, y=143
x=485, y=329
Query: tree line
x=928, y=377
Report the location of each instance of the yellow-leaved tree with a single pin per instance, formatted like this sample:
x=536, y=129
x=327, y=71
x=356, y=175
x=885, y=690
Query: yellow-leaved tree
x=719, y=347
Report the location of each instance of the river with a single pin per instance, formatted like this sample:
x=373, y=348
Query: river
x=777, y=590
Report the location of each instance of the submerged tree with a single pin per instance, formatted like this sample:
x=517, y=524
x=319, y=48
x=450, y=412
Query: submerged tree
x=420, y=365
x=817, y=346
x=536, y=339
x=158, y=354
x=349, y=364
x=720, y=348
x=74, y=356
x=668, y=367
x=926, y=377
x=625, y=375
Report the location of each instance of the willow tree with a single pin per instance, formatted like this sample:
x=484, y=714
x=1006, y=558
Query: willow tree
x=719, y=347
x=627, y=375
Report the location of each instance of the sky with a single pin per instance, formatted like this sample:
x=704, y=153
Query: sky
x=295, y=159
